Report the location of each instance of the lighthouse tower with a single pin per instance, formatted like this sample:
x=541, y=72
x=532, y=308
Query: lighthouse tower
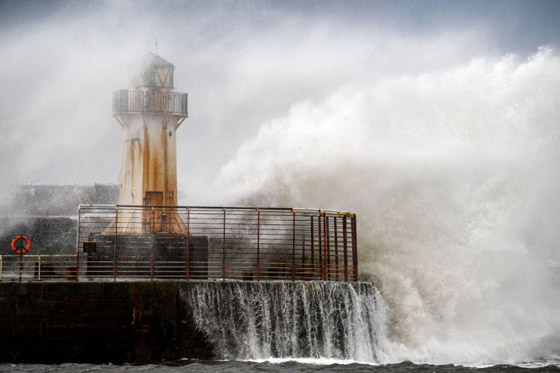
x=150, y=113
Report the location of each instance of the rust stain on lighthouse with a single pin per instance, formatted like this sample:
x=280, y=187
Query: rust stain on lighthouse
x=150, y=112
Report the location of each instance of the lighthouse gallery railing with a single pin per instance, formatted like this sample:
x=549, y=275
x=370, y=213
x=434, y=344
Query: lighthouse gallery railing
x=150, y=101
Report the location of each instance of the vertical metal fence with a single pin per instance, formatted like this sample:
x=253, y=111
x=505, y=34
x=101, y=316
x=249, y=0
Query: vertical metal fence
x=227, y=243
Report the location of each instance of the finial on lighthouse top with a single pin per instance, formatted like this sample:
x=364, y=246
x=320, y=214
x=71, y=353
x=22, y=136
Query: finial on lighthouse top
x=151, y=71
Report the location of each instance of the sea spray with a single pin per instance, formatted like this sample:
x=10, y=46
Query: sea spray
x=454, y=178
x=260, y=320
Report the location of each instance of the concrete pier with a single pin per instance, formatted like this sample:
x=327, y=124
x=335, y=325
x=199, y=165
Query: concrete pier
x=97, y=322
x=144, y=321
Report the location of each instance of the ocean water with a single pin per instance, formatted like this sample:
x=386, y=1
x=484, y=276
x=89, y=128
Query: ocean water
x=275, y=366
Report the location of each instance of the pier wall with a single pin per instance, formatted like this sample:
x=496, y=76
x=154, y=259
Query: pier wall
x=97, y=322
x=151, y=321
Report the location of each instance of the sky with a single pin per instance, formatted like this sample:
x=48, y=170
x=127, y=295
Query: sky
x=242, y=63
x=435, y=121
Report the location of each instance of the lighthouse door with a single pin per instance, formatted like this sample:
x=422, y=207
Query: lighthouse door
x=155, y=219
x=153, y=199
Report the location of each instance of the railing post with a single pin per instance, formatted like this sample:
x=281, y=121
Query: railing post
x=355, y=247
x=258, y=244
x=39, y=268
x=325, y=234
x=224, y=246
x=153, y=247
x=153, y=242
x=293, y=245
x=336, y=248
x=312, y=248
x=115, y=244
x=328, y=247
x=345, y=244
x=321, y=250
x=21, y=264
x=188, y=243
x=78, y=245
x=145, y=96
x=303, y=256
x=1, y=266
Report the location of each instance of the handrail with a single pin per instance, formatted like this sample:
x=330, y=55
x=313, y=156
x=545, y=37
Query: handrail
x=302, y=210
x=37, y=267
x=150, y=101
x=123, y=242
x=221, y=243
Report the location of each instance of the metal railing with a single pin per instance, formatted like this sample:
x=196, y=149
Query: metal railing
x=226, y=243
x=117, y=242
x=38, y=267
x=150, y=101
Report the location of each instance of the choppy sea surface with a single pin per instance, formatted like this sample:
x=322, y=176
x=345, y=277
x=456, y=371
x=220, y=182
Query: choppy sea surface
x=275, y=366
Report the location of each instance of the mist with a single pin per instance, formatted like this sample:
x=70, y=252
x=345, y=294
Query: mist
x=454, y=177
x=439, y=128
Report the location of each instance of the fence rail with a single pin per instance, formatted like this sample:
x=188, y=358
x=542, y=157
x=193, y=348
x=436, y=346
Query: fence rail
x=127, y=101
x=116, y=242
x=38, y=267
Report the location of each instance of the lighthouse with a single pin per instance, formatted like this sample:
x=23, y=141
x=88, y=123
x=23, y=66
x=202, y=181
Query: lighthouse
x=150, y=112
x=147, y=232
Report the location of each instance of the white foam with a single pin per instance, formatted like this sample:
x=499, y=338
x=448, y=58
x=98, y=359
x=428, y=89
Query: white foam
x=454, y=176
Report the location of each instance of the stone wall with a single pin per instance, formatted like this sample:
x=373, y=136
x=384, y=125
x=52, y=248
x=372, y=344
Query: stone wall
x=97, y=322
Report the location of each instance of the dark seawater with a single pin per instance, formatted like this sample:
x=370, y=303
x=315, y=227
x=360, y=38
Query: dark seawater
x=289, y=366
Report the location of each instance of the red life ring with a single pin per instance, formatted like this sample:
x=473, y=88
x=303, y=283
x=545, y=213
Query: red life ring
x=21, y=250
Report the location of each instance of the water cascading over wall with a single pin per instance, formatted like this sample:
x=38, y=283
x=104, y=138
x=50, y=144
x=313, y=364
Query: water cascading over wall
x=151, y=321
x=260, y=320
